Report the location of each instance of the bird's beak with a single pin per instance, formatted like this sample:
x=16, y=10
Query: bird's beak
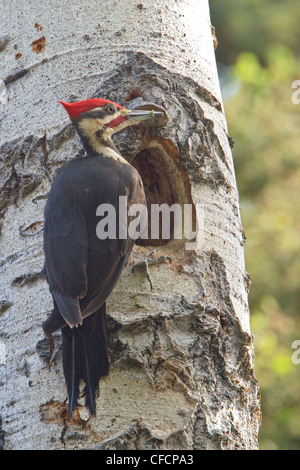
x=137, y=115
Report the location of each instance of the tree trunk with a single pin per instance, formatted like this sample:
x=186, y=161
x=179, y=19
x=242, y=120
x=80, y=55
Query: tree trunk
x=181, y=373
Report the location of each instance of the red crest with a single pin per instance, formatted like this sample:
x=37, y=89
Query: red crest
x=74, y=110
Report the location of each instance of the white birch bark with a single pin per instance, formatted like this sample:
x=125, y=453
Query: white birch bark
x=181, y=373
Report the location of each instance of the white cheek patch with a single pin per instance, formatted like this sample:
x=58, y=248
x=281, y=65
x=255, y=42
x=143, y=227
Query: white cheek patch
x=90, y=127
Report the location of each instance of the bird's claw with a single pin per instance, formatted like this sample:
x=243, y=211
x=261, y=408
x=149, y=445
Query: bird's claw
x=147, y=261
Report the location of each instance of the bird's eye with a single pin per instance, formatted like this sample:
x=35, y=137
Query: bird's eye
x=110, y=109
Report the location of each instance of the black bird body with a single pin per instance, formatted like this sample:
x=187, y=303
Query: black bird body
x=79, y=265
x=81, y=268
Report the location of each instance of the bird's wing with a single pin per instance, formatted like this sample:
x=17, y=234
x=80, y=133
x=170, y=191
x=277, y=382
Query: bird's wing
x=65, y=243
x=81, y=268
x=108, y=257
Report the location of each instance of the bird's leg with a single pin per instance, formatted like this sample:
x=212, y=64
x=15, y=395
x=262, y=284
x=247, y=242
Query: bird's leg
x=143, y=265
x=51, y=350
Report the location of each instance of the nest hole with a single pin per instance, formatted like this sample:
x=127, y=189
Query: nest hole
x=164, y=183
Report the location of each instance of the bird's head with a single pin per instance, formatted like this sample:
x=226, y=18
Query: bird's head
x=96, y=120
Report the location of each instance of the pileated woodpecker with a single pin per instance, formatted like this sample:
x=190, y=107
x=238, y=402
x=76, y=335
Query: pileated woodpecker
x=82, y=269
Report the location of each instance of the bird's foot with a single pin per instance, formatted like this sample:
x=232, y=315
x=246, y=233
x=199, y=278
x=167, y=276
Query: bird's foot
x=51, y=350
x=143, y=265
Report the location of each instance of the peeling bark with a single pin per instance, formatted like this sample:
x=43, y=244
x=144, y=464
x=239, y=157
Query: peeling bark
x=181, y=372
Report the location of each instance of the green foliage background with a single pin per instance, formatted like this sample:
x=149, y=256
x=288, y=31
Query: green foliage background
x=258, y=59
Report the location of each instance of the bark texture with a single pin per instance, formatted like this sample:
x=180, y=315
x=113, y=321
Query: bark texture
x=181, y=374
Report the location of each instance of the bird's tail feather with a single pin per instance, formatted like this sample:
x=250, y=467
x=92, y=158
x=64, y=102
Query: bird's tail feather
x=85, y=356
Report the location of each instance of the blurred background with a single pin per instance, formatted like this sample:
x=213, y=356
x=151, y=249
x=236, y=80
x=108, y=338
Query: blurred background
x=258, y=58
